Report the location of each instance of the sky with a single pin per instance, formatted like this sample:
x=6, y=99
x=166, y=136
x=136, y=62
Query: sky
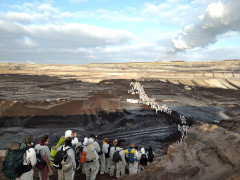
x=115, y=31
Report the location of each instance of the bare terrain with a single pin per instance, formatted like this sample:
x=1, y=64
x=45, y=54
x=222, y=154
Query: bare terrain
x=49, y=99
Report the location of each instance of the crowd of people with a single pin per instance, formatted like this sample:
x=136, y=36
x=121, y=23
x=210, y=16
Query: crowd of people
x=90, y=157
x=183, y=128
x=137, y=88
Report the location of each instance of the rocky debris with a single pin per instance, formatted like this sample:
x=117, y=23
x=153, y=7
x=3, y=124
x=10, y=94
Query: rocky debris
x=207, y=152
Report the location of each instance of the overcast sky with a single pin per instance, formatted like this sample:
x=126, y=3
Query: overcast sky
x=99, y=31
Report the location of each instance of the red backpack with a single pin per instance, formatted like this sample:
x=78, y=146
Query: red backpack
x=83, y=157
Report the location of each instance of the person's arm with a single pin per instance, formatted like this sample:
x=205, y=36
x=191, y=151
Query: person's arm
x=72, y=157
x=111, y=152
x=31, y=153
x=48, y=153
x=96, y=146
x=123, y=157
x=137, y=155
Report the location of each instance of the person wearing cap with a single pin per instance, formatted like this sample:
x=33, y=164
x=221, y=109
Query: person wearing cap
x=105, y=146
x=29, y=158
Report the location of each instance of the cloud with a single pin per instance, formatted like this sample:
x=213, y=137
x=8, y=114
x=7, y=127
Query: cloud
x=39, y=33
x=219, y=18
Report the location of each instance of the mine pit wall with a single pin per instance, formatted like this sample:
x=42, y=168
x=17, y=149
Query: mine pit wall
x=218, y=74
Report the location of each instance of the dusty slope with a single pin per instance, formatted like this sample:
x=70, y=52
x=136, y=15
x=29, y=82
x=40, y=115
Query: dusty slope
x=208, y=152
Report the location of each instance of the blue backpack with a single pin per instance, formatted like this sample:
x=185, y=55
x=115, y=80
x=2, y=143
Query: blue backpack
x=131, y=158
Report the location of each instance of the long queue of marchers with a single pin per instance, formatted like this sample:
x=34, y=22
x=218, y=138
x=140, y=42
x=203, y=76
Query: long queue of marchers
x=137, y=88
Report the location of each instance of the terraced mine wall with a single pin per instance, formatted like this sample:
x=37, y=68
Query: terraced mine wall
x=219, y=74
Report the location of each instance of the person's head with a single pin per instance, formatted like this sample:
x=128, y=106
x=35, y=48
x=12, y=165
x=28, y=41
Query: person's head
x=28, y=140
x=105, y=140
x=74, y=134
x=142, y=150
x=115, y=141
x=68, y=141
x=90, y=140
x=132, y=145
x=85, y=141
x=122, y=144
x=93, y=136
x=150, y=149
x=68, y=133
x=45, y=139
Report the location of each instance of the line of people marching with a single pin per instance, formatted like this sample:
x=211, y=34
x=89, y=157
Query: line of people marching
x=137, y=88
x=69, y=155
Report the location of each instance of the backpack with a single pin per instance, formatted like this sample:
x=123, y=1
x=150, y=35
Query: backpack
x=144, y=160
x=90, y=156
x=100, y=143
x=131, y=158
x=83, y=157
x=107, y=155
x=59, y=157
x=13, y=164
x=78, y=152
x=116, y=156
x=41, y=163
x=150, y=156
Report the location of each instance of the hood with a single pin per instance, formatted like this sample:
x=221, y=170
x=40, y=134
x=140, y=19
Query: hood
x=85, y=141
x=142, y=150
x=68, y=133
x=90, y=140
x=38, y=147
x=28, y=139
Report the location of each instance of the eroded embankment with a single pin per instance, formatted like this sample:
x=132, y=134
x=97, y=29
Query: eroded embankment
x=207, y=152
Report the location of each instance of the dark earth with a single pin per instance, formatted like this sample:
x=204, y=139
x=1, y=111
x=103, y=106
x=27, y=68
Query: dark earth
x=42, y=105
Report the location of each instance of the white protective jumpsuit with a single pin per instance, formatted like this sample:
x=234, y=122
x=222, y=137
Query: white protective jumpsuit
x=69, y=175
x=133, y=167
x=92, y=167
x=29, y=157
x=112, y=165
x=120, y=166
x=102, y=157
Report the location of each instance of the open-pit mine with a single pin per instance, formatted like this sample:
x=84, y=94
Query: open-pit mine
x=92, y=98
